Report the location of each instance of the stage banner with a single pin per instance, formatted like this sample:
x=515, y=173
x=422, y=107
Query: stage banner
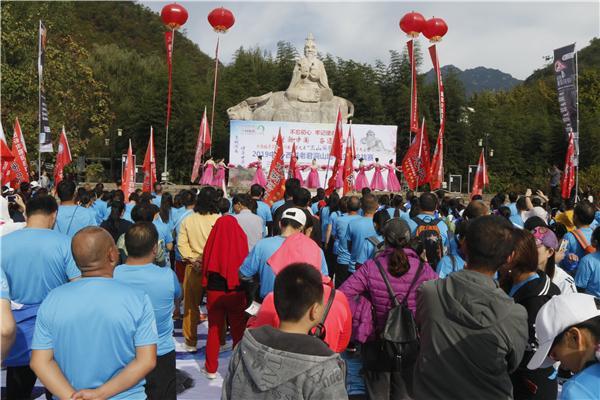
x=250, y=139
x=565, y=70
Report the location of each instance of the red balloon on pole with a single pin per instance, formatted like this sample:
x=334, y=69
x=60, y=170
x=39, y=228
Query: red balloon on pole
x=221, y=19
x=435, y=29
x=174, y=15
x=412, y=23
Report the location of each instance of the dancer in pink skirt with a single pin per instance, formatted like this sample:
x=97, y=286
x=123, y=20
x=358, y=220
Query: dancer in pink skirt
x=393, y=185
x=313, y=181
x=361, y=178
x=207, y=175
x=297, y=172
x=377, y=181
x=259, y=175
x=219, y=177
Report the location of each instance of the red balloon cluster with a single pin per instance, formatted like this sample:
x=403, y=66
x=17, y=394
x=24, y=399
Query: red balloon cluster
x=221, y=19
x=174, y=15
x=414, y=23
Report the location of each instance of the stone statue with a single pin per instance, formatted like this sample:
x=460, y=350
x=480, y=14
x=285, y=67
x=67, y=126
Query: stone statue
x=308, y=98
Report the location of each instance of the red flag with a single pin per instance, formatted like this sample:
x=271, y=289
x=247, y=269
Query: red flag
x=19, y=150
x=415, y=164
x=128, y=178
x=348, y=164
x=276, y=179
x=481, y=176
x=293, y=162
x=414, y=112
x=149, y=165
x=568, y=180
x=437, y=165
x=169, y=37
x=63, y=157
x=337, y=147
x=202, y=144
x=6, y=158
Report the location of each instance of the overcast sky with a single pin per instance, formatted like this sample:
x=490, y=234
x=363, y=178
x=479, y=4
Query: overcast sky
x=510, y=36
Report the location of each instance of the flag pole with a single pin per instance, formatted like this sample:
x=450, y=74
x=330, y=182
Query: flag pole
x=212, y=112
x=39, y=102
x=420, y=148
x=577, y=138
x=165, y=172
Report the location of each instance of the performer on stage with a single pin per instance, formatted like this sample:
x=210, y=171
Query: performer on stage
x=377, y=181
x=361, y=178
x=207, y=175
x=393, y=185
x=297, y=172
x=259, y=175
x=313, y=181
x=219, y=177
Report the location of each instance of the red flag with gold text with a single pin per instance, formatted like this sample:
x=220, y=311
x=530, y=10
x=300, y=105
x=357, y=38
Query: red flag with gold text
x=149, y=165
x=63, y=157
x=128, y=179
x=20, y=173
x=349, y=164
x=276, y=179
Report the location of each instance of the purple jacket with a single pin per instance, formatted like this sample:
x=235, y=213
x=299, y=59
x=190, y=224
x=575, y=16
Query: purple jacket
x=367, y=280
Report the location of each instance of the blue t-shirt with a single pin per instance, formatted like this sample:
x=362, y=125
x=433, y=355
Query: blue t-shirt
x=71, y=219
x=325, y=214
x=157, y=199
x=36, y=261
x=513, y=209
x=162, y=286
x=358, y=231
x=263, y=211
x=341, y=228
x=4, y=288
x=127, y=213
x=93, y=325
x=401, y=214
x=517, y=220
x=332, y=219
x=573, y=247
x=368, y=249
x=315, y=207
x=256, y=263
x=164, y=232
x=597, y=217
x=445, y=267
x=588, y=274
x=101, y=209
x=428, y=218
x=276, y=205
x=584, y=385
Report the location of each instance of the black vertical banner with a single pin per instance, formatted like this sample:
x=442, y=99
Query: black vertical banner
x=565, y=71
x=45, y=137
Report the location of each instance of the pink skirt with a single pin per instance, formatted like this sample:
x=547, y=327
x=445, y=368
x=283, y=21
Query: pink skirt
x=207, y=175
x=393, y=185
x=313, y=182
x=361, y=181
x=219, y=178
x=298, y=175
x=259, y=177
x=377, y=182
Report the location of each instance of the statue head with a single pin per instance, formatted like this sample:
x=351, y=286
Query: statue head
x=310, y=47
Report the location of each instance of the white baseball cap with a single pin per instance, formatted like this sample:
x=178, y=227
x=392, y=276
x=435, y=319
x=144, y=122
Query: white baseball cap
x=34, y=184
x=295, y=214
x=556, y=316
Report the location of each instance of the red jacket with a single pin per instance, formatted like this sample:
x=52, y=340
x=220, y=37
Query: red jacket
x=338, y=324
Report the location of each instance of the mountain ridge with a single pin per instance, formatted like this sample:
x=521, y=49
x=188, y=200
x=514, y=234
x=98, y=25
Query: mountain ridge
x=478, y=79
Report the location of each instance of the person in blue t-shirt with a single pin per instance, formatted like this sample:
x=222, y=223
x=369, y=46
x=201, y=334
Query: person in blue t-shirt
x=340, y=229
x=161, y=285
x=587, y=278
x=568, y=331
x=262, y=209
x=455, y=260
x=579, y=239
x=157, y=194
x=71, y=216
x=95, y=338
x=35, y=260
x=428, y=203
x=521, y=207
x=512, y=206
x=374, y=243
x=256, y=262
x=359, y=230
x=8, y=326
x=100, y=206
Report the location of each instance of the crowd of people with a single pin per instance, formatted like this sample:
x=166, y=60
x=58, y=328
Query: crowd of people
x=364, y=296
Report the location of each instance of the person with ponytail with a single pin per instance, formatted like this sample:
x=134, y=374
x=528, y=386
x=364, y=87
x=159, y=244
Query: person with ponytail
x=384, y=377
x=115, y=224
x=166, y=210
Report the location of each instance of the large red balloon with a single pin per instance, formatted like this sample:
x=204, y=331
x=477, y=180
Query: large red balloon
x=412, y=23
x=221, y=19
x=435, y=29
x=174, y=15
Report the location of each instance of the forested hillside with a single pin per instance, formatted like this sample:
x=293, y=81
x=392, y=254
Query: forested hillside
x=106, y=69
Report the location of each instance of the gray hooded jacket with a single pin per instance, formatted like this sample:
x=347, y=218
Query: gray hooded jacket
x=260, y=368
x=472, y=336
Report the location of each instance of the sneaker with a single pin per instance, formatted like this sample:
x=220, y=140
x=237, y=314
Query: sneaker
x=209, y=375
x=190, y=349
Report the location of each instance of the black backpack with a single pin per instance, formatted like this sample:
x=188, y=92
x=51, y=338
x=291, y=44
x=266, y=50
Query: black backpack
x=399, y=336
x=430, y=239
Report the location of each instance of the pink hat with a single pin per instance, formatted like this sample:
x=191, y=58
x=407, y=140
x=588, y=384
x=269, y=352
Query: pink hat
x=544, y=236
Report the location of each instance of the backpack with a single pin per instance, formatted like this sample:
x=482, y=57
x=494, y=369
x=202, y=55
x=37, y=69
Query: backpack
x=588, y=248
x=430, y=238
x=399, y=337
x=378, y=244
